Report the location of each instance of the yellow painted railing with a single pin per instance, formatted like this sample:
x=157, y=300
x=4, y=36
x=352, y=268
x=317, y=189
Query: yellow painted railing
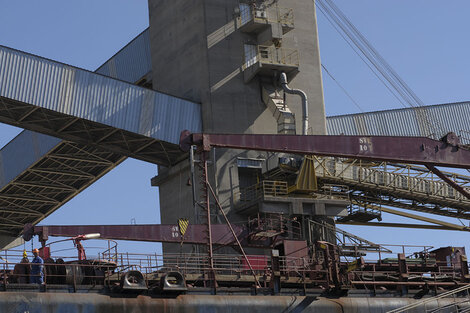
x=265, y=188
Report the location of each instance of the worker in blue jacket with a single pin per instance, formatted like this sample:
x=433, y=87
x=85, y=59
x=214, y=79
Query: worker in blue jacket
x=37, y=268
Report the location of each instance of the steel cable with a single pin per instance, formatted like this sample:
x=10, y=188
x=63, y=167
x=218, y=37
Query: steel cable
x=376, y=63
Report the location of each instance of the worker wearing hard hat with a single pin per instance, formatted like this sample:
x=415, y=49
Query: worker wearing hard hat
x=22, y=270
x=37, y=268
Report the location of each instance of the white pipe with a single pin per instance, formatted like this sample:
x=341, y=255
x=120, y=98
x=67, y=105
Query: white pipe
x=303, y=95
x=92, y=236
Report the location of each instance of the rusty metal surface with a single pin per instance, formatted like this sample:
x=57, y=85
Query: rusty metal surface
x=449, y=255
x=96, y=303
x=415, y=150
x=194, y=234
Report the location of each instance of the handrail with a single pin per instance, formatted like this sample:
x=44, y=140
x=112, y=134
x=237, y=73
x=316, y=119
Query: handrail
x=284, y=16
x=408, y=180
x=264, y=188
x=442, y=295
x=274, y=55
x=192, y=266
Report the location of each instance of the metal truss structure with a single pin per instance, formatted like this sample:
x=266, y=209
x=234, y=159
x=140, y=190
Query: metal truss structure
x=409, y=187
x=87, y=108
x=52, y=181
x=90, y=133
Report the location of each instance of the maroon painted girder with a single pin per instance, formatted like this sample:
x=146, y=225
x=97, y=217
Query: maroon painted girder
x=195, y=234
x=413, y=150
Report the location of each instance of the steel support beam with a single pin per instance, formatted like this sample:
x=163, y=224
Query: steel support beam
x=79, y=159
x=44, y=185
x=445, y=178
x=418, y=206
x=401, y=225
x=414, y=150
x=426, y=219
x=195, y=234
x=25, y=198
x=59, y=171
x=414, y=216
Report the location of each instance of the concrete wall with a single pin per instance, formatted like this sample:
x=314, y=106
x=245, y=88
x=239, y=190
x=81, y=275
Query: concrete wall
x=304, y=38
x=198, y=53
x=177, y=45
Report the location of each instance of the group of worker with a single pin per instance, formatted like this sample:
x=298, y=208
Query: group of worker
x=35, y=269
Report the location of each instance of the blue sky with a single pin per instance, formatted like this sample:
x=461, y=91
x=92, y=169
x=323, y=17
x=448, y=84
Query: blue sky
x=425, y=41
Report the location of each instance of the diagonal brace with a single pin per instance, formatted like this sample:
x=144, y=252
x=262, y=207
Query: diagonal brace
x=452, y=183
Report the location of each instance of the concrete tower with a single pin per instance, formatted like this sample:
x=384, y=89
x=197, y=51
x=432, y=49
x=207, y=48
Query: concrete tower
x=228, y=55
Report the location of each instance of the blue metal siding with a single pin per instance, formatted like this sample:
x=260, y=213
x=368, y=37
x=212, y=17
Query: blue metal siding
x=132, y=62
x=428, y=121
x=23, y=151
x=40, y=81
x=65, y=89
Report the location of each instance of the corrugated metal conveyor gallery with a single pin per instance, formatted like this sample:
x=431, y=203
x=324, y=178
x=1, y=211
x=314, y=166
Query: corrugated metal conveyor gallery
x=407, y=187
x=39, y=173
x=84, y=107
x=427, y=121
